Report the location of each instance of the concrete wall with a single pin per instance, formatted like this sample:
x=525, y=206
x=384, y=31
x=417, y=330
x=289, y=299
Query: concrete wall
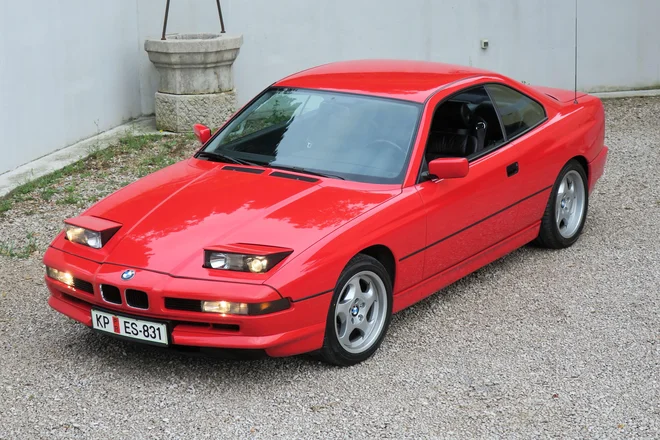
x=68, y=70
x=67, y=66
x=530, y=40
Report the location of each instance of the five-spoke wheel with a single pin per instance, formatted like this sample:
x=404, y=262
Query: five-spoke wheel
x=566, y=212
x=569, y=206
x=360, y=312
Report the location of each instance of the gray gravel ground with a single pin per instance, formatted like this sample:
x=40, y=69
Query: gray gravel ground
x=539, y=344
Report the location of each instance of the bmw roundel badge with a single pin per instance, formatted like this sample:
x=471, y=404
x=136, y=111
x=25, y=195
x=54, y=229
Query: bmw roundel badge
x=127, y=275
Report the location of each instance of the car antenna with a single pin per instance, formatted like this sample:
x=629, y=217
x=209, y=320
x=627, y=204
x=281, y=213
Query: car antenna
x=575, y=101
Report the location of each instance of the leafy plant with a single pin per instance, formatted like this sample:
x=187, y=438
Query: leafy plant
x=10, y=249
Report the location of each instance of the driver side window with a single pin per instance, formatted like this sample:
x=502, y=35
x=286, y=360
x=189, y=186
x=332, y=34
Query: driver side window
x=465, y=125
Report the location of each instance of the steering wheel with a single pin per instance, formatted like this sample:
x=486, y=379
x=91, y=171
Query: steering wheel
x=386, y=142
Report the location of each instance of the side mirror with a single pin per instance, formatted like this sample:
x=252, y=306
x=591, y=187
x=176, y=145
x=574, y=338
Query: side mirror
x=202, y=132
x=449, y=167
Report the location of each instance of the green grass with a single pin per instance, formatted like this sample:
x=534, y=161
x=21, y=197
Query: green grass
x=158, y=161
x=5, y=205
x=132, y=142
x=70, y=199
x=42, y=184
x=47, y=194
x=88, y=180
x=96, y=164
x=24, y=250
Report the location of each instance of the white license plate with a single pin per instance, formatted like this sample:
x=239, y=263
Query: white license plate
x=154, y=332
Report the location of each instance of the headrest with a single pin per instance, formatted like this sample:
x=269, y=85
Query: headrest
x=453, y=114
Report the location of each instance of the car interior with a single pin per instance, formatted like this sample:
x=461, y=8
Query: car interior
x=464, y=126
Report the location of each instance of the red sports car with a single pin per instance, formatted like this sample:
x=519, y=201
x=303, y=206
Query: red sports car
x=336, y=197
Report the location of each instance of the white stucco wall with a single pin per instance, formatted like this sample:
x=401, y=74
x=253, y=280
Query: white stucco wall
x=68, y=69
x=67, y=66
x=530, y=40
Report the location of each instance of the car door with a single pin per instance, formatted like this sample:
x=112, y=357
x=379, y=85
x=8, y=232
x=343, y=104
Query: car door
x=466, y=216
x=521, y=118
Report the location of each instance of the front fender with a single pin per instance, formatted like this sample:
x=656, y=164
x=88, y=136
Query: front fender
x=399, y=224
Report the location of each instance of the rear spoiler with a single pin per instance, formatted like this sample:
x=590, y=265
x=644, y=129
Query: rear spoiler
x=559, y=95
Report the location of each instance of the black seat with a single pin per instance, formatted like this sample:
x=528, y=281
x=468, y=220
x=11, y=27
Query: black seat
x=451, y=132
x=485, y=126
x=452, y=116
x=450, y=145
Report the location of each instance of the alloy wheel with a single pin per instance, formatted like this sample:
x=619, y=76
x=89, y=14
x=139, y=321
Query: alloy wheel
x=361, y=312
x=570, y=204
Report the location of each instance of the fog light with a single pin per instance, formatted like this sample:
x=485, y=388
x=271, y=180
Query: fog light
x=225, y=307
x=62, y=277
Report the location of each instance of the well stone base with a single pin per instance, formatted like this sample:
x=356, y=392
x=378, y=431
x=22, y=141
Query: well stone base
x=190, y=64
x=178, y=113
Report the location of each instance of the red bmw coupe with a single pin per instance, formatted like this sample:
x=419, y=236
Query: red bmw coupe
x=336, y=197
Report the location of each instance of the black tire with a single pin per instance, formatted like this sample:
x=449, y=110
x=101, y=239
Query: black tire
x=549, y=235
x=332, y=351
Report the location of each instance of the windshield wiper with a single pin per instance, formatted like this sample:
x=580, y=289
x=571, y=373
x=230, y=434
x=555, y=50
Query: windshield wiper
x=218, y=157
x=305, y=171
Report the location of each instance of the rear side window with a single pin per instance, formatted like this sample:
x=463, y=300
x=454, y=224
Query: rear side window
x=518, y=112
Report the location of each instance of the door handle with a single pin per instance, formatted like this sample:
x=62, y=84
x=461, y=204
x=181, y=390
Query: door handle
x=512, y=169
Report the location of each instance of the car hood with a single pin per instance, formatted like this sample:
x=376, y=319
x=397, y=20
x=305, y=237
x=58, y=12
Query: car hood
x=169, y=217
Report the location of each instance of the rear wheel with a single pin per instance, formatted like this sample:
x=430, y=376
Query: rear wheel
x=567, y=207
x=359, y=314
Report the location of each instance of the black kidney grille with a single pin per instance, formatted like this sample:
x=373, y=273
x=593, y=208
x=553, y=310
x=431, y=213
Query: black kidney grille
x=110, y=293
x=137, y=299
x=83, y=285
x=189, y=305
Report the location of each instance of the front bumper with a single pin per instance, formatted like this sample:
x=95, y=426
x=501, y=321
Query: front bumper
x=298, y=329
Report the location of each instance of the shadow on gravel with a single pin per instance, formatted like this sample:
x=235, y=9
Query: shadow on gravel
x=456, y=289
x=134, y=359
x=125, y=357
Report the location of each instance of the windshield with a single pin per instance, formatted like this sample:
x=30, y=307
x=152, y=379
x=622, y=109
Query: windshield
x=353, y=137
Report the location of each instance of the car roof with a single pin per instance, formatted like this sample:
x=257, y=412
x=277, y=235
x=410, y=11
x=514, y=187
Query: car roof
x=408, y=80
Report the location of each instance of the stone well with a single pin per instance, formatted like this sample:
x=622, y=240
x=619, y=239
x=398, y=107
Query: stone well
x=196, y=79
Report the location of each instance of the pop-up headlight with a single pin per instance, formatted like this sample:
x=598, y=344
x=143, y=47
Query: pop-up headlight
x=84, y=236
x=245, y=262
x=90, y=231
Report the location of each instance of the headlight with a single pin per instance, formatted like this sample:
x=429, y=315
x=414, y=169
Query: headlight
x=80, y=235
x=94, y=232
x=242, y=262
x=62, y=277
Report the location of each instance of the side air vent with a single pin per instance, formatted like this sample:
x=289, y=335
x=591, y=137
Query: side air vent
x=243, y=170
x=188, y=305
x=83, y=285
x=293, y=176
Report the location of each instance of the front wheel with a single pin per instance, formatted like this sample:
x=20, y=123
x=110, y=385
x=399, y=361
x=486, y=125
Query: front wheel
x=359, y=314
x=566, y=211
